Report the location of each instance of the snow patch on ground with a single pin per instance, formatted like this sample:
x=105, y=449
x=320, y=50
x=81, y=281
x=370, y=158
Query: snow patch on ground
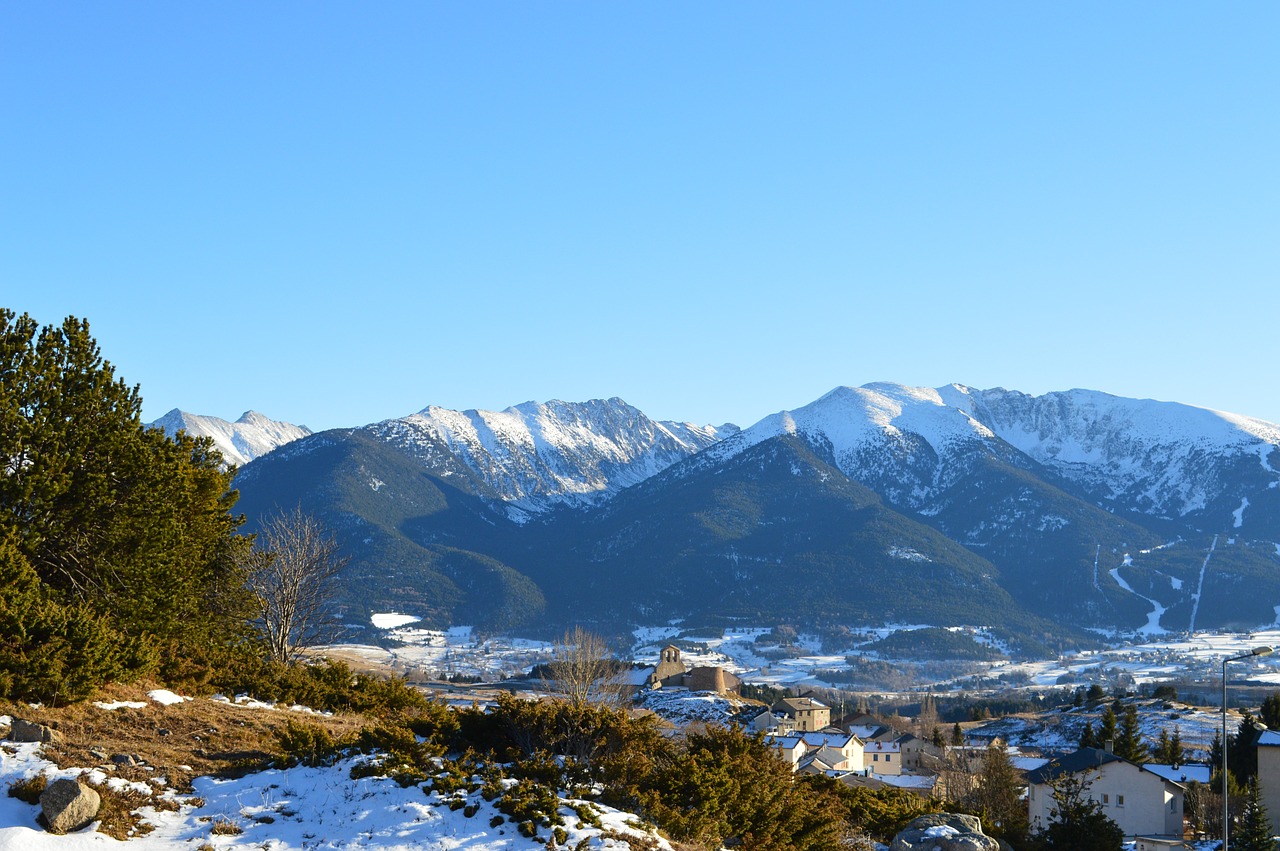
x=164, y=697
x=392, y=620
x=301, y=808
x=1238, y=514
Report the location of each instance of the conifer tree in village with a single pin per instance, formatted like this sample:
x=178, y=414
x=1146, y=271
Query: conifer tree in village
x=1107, y=728
x=1253, y=830
x=1077, y=821
x=1169, y=749
x=1129, y=744
x=120, y=552
x=1269, y=714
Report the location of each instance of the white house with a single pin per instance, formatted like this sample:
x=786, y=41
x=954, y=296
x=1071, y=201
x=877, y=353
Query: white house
x=834, y=751
x=790, y=747
x=1142, y=802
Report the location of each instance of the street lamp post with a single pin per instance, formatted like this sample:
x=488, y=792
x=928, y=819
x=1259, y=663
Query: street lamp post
x=1226, y=802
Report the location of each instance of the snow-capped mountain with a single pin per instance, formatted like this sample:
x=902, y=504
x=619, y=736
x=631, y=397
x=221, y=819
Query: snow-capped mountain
x=239, y=442
x=1160, y=458
x=536, y=455
x=944, y=505
x=908, y=443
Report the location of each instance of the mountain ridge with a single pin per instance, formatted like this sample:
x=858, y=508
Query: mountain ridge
x=1085, y=509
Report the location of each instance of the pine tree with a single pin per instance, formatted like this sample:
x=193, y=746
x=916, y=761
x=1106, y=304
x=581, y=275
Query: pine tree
x=1087, y=737
x=1077, y=822
x=1253, y=830
x=997, y=799
x=1129, y=744
x=1243, y=748
x=1107, y=729
x=120, y=524
x=1270, y=712
x=1177, y=753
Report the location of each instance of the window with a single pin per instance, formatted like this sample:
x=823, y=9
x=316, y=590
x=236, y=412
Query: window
x=875, y=757
x=1106, y=799
x=888, y=757
x=1119, y=800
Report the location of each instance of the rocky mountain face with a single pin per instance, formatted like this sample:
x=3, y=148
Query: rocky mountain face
x=239, y=442
x=875, y=504
x=535, y=456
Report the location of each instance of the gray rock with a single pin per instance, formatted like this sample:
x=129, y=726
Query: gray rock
x=29, y=731
x=944, y=832
x=125, y=759
x=68, y=806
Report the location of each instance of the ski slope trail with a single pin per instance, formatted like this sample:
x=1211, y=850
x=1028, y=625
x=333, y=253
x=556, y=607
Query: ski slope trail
x=1195, y=601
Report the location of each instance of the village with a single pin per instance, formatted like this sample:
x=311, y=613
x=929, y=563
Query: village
x=1157, y=805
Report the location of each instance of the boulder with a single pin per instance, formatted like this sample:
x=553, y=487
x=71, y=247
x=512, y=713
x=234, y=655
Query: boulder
x=29, y=731
x=68, y=805
x=944, y=832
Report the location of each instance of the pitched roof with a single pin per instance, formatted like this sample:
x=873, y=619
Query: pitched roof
x=1084, y=759
x=1182, y=773
x=1087, y=759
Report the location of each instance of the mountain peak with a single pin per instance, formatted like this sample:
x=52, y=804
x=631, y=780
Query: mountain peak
x=240, y=442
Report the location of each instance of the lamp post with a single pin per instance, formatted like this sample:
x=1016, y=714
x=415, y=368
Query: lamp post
x=1226, y=801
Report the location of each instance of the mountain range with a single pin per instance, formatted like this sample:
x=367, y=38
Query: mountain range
x=1037, y=516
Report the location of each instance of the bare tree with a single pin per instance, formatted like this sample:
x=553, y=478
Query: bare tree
x=583, y=670
x=292, y=573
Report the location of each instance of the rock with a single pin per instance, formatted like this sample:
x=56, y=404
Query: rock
x=944, y=832
x=68, y=806
x=125, y=759
x=29, y=731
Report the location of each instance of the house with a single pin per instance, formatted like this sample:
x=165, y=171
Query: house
x=1142, y=802
x=765, y=722
x=871, y=732
x=882, y=757
x=816, y=752
x=1159, y=843
x=1269, y=774
x=919, y=755
x=791, y=748
x=805, y=714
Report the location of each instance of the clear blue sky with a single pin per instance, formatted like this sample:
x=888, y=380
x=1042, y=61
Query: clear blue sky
x=336, y=213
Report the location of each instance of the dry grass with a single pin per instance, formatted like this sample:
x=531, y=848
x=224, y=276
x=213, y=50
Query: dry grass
x=176, y=743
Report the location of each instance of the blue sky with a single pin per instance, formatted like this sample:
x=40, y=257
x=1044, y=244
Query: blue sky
x=337, y=213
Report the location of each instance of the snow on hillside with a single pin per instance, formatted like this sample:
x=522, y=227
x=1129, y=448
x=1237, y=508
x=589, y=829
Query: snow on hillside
x=1164, y=458
x=854, y=417
x=239, y=442
x=537, y=454
x=323, y=809
x=1166, y=455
